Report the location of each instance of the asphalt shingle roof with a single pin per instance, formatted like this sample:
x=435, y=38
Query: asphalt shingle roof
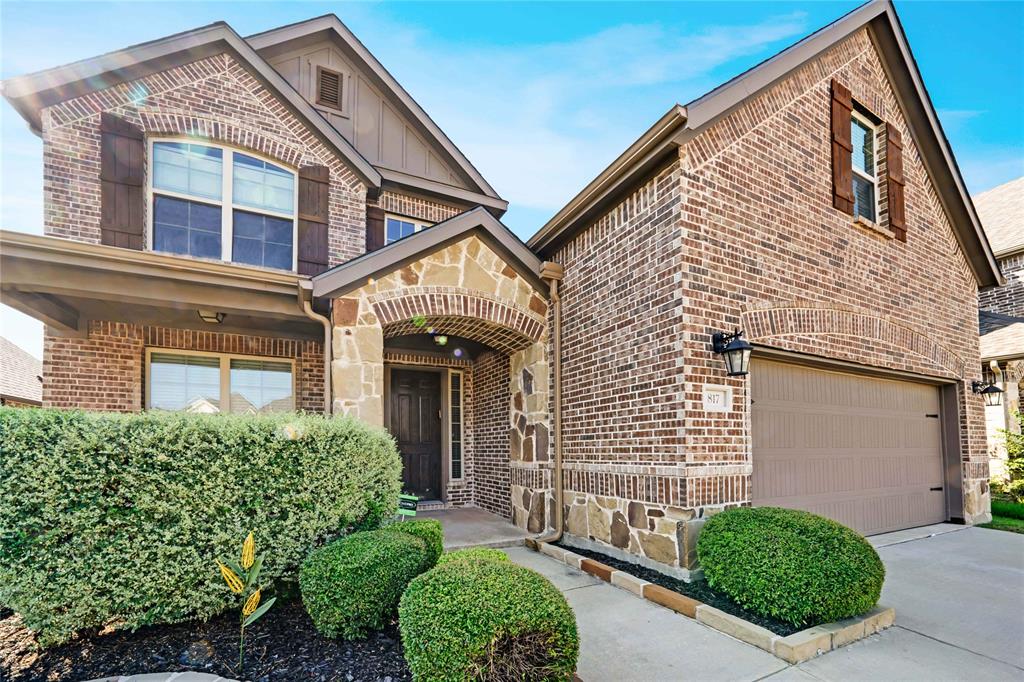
x=1001, y=210
x=20, y=373
x=1002, y=336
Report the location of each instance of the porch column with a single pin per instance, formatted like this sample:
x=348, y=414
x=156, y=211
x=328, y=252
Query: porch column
x=357, y=365
x=532, y=487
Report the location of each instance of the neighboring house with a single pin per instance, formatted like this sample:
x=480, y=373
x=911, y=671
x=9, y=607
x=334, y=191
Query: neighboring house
x=1001, y=313
x=216, y=207
x=21, y=377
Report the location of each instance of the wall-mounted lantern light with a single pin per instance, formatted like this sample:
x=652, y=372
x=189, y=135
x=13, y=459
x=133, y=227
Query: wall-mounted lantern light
x=736, y=351
x=993, y=394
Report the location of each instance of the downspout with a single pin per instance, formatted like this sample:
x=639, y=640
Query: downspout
x=553, y=273
x=306, y=303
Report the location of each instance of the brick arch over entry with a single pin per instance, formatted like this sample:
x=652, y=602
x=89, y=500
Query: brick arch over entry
x=500, y=325
x=855, y=334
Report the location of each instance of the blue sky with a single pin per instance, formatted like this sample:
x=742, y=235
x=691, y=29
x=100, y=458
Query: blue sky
x=560, y=89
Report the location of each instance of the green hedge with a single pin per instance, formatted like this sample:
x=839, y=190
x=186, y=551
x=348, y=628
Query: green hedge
x=473, y=554
x=352, y=586
x=487, y=620
x=119, y=518
x=429, y=530
x=790, y=564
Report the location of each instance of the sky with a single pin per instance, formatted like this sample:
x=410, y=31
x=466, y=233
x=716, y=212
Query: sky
x=558, y=90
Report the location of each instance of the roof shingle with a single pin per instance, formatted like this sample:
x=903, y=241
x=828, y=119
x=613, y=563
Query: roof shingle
x=21, y=375
x=1001, y=210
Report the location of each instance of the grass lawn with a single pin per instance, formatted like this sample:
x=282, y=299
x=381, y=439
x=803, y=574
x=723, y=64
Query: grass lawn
x=1005, y=523
x=1006, y=515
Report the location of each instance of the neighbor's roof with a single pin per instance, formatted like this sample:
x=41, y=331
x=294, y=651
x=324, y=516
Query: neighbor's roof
x=31, y=93
x=1002, y=336
x=21, y=375
x=1001, y=210
x=683, y=122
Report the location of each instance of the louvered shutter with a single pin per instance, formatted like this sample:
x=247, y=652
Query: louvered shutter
x=374, y=228
x=314, y=198
x=842, y=148
x=122, y=196
x=329, y=88
x=895, y=181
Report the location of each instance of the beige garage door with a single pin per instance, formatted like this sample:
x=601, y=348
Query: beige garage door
x=860, y=450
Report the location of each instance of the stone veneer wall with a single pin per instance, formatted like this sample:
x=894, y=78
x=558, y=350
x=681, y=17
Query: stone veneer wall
x=490, y=427
x=106, y=371
x=214, y=98
x=1009, y=298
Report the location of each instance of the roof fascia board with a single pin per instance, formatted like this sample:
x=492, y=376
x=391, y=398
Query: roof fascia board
x=21, y=89
x=404, y=181
x=353, y=274
x=384, y=80
x=631, y=166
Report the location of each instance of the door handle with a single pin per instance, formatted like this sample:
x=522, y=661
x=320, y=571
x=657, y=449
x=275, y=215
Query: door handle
x=935, y=489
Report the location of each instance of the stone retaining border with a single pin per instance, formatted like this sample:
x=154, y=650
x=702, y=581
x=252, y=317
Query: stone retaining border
x=795, y=648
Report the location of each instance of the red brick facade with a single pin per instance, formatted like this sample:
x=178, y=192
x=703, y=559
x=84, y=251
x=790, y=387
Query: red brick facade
x=491, y=431
x=1009, y=298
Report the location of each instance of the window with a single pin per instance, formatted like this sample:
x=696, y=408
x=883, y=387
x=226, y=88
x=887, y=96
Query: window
x=397, y=228
x=455, y=419
x=865, y=175
x=215, y=202
x=209, y=383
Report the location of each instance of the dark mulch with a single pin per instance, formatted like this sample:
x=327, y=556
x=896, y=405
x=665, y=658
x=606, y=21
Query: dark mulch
x=698, y=590
x=282, y=646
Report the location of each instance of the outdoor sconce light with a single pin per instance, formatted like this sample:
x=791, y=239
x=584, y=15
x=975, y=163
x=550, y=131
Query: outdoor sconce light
x=736, y=351
x=993, y=394
x=210, y=316
x=441, y=340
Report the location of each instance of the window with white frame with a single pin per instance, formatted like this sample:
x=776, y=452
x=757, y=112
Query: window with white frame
x=399, y=227
x=863, y=136
x=216, y=202
x=455, y=419
x=209, y=383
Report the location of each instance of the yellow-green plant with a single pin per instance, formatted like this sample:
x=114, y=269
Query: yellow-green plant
x=242, y=579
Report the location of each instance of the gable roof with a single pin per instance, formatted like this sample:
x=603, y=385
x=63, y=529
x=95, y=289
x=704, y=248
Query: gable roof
x=21, y=375
x=478, y=221
x=682, y=123
x=1002, y=336
x=1001, y=210
x=330, y=25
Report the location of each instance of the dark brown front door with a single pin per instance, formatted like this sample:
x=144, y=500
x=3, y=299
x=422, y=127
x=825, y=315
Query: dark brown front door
x=416, y=425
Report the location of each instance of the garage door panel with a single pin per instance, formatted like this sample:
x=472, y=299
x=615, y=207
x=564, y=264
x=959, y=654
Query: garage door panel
x=860, y=450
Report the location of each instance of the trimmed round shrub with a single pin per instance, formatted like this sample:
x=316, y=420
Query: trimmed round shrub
x=352, y=586
x=119, y=518
x=429, y=530
x=487, y=620
x=473, y=554
x=789, y=564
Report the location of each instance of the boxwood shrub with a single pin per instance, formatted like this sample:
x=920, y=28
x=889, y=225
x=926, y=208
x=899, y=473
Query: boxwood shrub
x=353, y=585
x=487, y=620
x=117, y=518
x=791, y=565
x=429, y=530
x=473, y=554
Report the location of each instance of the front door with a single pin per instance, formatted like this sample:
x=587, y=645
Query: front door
x=416, y=425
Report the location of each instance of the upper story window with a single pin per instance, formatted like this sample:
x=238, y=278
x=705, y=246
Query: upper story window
x=216, y=202
x=863, y=137
x=397, y=227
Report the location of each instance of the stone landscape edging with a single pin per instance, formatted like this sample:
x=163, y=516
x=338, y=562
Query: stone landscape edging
x=795, y=648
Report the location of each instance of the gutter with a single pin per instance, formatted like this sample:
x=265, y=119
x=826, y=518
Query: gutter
x=553, y=273
x=305, y=294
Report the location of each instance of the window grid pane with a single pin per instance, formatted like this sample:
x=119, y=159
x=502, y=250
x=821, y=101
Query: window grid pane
x=186, y=227
x=863, y=138
x=397, y=229
x=188, y=169
x=260, y=184
x=863, y=197
x=261, y=386
x=184, y=383
x=455, y=418
x=262, y=240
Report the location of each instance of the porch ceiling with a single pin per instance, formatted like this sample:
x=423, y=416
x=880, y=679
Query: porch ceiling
x=65, y=284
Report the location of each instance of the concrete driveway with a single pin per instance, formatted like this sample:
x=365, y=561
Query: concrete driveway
x=958, y=594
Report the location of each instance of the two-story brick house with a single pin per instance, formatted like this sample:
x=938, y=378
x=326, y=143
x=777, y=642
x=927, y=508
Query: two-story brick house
x=271, y=222
x=1001, y=313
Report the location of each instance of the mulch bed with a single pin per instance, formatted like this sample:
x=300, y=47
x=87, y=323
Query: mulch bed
x=282, y=646
x=698, y=590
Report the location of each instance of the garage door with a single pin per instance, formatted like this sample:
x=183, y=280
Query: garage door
x=866, y=452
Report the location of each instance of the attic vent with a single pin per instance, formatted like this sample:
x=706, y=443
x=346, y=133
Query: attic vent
x=329, y=88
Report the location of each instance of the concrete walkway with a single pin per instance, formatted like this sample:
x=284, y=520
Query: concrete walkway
x=472, y=527
x=958, y=594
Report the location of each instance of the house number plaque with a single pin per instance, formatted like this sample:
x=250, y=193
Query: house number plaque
x=717, y=398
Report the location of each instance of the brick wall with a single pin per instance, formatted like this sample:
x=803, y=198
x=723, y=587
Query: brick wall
x=428, y=210
x=106, y=371
x=491, y=433
x=213, y=98
x=1009, y=298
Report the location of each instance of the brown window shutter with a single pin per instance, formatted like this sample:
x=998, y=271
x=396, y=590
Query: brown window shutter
x=842, y=148
x=314, y=219
x=122, y=196
x=895, y=181
x=374, y=228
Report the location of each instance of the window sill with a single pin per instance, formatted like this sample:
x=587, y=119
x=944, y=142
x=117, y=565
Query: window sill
x=860, y=221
